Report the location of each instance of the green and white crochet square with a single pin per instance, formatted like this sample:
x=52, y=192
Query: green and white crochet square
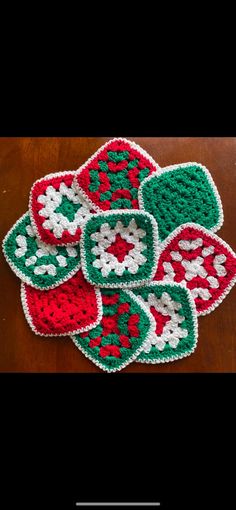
x=122, y=256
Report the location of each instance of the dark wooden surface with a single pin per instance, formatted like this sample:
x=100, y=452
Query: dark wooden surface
x=22, y=161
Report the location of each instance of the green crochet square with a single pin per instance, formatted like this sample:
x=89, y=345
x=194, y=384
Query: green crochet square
x=182, y=193
x=119, y=248
x=134, y=326
x=174, y=311
x=38, y=264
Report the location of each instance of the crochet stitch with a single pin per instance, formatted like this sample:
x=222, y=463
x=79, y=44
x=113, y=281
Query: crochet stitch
x=123, y=332
x=201, y=261
x=174, y=312
x=111, y=178
x=118, y=248
x=57, y=210
x=121, y=256
x=182, y=193
x=39, y=264
x=73, y=307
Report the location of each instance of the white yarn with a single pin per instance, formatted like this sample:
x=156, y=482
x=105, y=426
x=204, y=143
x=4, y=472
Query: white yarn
x=22, y=243
x=172, y=331
x=57, y=222
x=50, y=269
x=106, y=236
x=190, y=245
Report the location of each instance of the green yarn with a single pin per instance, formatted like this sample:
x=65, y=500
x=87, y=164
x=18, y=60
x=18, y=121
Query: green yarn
x=107, y=195
x=103, y=166
x=133, y=164
x=67, y=208
x=119, y=156
x=94, y=180
x=27, y=272
x=121, y=203
x=180, y=196
x=143, y=174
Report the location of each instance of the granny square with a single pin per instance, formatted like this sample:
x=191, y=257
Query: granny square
x=57, y=210
x=176, y=331
x=111, y=177
x=200, y=260
x=41, y=265
x=179, y=194
x=119, y=248
x=124, y=329
x=73, y=307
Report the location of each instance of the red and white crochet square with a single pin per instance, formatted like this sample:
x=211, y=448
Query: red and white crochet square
x=122, y=256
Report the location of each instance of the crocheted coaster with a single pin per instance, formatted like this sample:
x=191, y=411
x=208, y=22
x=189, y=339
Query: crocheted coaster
x=199, y=259
x=111, y=177
x=73, y=307
x=57, y=210
x=119, y=248
x=40, y=265
x=175, y=334
x=123, y=332
x=180, y=194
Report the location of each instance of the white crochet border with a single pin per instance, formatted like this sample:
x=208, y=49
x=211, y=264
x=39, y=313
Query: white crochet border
x=33, y=223
x=136, y=353
x=25, y=278
x=78, y=331
x=132, y=144
x=184, y=165
x=122, y=285
x=204, y=230
x=175, y=357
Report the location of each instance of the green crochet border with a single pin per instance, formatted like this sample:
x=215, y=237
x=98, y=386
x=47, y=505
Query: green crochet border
x=147, y=271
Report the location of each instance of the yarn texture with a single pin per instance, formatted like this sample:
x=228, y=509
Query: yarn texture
x=122, y=256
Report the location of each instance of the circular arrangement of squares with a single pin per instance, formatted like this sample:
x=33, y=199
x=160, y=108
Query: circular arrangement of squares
x=122, y=257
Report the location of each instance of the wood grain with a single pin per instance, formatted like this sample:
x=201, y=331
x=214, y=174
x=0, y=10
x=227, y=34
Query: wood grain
x=22, y=161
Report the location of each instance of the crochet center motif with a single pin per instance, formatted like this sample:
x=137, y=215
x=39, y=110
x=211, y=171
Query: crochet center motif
x=122, y=256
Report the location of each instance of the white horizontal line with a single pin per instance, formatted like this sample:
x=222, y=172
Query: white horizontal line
x=118, y=504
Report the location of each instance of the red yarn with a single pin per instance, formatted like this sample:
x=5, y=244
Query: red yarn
x=160, y=319
x=68, y=308
x=110, y=350
x=105, y=183
x=132, y=325
x=109, y=324
x=125, y=341
x=117, y=167
x=120, y=248
x=123, y=308
x=121, y=193
x=110, y=300
x=94, y=342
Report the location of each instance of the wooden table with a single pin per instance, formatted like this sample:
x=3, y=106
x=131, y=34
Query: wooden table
x=22, y=161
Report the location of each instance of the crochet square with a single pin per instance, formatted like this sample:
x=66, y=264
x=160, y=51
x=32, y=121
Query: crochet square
x=111, y=177
x=57, y=210
x=174, y=312
x=201, y=261
x=119, y=248
x=124, y=329
x=38, y=264
x=74, y=307
x=179, y=194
